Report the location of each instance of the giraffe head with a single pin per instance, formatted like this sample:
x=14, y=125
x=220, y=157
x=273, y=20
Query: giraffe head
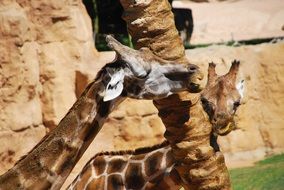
x=221, y=97
x=141, y=74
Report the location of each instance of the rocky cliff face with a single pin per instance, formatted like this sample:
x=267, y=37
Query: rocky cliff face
x=47, y=57
x=43, y=45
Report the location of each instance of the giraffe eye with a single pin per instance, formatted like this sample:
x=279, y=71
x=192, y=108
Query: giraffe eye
x=204, y=101
x=208, y=106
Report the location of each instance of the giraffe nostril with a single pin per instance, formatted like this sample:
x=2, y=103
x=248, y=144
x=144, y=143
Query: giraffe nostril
x=193, y=68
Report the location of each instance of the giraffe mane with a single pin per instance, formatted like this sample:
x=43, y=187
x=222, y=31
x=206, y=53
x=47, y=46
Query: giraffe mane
x=114, y=64
x=137, y=151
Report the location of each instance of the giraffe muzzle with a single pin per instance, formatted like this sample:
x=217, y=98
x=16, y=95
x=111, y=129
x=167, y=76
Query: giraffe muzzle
x=195, y=81
x=223, y=130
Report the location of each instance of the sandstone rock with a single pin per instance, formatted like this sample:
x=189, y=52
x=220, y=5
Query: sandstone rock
x=19, y=86
x=138, y=131
x=14, y=145
x=58, y=94
x=42, y=46
x=132, y=107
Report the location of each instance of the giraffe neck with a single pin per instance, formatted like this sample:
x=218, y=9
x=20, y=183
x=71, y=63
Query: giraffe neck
x=189, y=134
x=144, y=168
x=191, y=112
x=50, y=162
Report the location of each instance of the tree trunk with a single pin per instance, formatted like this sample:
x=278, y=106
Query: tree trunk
x=151, y=24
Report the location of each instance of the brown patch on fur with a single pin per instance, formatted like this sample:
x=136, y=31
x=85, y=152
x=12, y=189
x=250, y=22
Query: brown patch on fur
x=133, y=177
x=115, y=182
x=97, y=184
x=85, y=176
x=153, y=163
x=100, y=165
x=41, y=185
x=104, y=108
x=83, y=110
x=116, y=165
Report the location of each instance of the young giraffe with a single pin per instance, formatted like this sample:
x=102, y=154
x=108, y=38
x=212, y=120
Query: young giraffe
x=154, y=167
x=136, y=74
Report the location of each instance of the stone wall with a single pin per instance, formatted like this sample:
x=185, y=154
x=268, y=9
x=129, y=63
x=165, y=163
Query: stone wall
x=48, y=57
x=43, y=45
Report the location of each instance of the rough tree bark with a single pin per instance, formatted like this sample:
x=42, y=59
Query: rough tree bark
x=151, y=24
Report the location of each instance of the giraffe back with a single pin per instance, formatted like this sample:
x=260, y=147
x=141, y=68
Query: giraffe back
x=143, y=168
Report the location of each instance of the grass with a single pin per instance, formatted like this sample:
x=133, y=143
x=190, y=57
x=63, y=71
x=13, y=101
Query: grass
x=267, y=174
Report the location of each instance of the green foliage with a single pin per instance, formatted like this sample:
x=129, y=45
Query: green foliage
x=101, y=44
x=267, y=174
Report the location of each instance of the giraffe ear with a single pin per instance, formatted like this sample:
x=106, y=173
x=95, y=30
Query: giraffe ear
x=114, y=87
x=241, y=87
